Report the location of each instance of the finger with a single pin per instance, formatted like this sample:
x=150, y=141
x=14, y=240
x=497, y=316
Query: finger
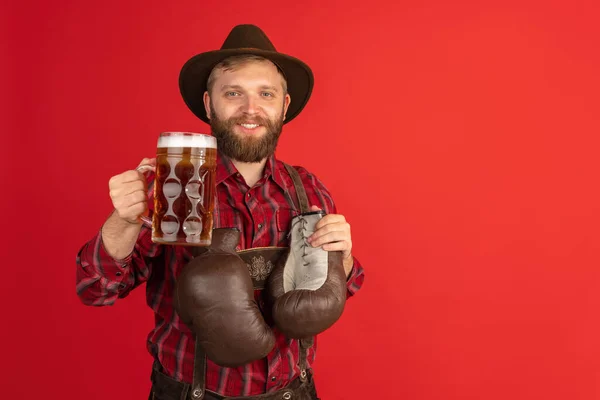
x=145, y=168
x=134, y=212
x=125, y=177
x=337, y=246
x=323, y=231
x=137, y=197
x=146, y=165
x=148, y=161
x=330, y=219
x=127, y=189
x=331, y=237
x=133, y=187
x=314, y=208
x=124, y=202
x=332, y=227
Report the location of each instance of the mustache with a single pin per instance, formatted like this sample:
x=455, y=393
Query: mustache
x=249, y=120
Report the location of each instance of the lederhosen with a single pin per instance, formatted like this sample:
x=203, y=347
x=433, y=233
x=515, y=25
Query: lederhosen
x=166, y=388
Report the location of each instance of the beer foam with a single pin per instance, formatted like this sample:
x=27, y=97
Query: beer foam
x=187, y=141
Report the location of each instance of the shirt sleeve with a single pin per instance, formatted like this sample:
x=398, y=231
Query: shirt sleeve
x=102, y=279
x=355, y=279
x=320, y=196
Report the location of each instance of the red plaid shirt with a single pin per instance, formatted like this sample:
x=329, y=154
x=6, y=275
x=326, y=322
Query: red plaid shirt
x=263, y=214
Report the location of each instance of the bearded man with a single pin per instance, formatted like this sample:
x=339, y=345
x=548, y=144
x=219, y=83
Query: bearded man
x=246, y=91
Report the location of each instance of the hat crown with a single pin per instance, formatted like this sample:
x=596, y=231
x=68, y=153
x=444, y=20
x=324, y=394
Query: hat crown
x=247, y=36
x=242, y=40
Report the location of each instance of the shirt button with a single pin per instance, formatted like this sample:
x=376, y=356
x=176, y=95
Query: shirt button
x=124, y=265
x=248, y=194
x=259, y=226
x=118, y=273
x=273, y=378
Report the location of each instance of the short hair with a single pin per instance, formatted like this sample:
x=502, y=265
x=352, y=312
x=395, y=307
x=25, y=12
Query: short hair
x=233, y=62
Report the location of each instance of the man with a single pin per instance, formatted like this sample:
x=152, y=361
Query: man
x=246, y=92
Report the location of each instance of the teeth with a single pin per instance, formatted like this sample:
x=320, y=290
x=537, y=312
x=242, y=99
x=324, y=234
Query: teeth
x=250, y=126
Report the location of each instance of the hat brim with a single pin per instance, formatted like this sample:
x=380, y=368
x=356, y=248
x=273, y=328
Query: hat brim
x=195, y=72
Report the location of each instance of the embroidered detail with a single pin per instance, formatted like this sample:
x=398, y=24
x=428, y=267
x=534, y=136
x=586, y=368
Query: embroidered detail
x=260, y=268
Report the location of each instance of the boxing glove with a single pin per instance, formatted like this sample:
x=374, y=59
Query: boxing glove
x=215, y=298
x=307, y=287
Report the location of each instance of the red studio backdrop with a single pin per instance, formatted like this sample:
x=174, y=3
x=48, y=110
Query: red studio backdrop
x=460, y=139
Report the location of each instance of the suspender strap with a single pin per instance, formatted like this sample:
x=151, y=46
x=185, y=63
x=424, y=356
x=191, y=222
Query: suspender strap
x=303, y=344
x=199, y=384
x=300, y=191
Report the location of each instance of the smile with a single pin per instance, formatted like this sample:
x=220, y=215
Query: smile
x=250, y=126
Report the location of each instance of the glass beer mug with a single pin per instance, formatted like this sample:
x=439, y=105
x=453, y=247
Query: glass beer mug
x=184, y=189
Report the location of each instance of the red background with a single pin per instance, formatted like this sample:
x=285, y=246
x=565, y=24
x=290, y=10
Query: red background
x=459, y=139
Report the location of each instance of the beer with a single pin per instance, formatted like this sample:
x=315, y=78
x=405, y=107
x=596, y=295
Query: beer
x=184, y=188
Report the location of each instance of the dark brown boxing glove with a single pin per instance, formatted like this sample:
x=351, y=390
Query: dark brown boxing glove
x=214, y=296
x=308, y=285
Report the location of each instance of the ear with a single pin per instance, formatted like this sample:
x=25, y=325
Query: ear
x=206, y=99
x=286, y=104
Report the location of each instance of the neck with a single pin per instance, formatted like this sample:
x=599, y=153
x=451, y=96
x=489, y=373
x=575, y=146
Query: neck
x=252, y=172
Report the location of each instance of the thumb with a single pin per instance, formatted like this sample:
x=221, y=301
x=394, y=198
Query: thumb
x=147, y=164
x=314, y=208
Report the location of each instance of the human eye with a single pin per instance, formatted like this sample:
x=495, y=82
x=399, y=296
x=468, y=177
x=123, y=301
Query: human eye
x=267, y=94
x=232, y=94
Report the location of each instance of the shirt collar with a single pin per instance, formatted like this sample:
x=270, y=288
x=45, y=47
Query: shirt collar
x=226, y=169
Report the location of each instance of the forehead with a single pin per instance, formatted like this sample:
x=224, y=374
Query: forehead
x=249, y=73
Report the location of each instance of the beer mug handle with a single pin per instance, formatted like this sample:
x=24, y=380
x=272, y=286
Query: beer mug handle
x=143, y=169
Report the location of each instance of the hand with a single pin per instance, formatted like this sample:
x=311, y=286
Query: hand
x=128, y=193
x=332, y=232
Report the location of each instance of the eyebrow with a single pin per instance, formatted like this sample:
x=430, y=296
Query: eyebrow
x=238, y=87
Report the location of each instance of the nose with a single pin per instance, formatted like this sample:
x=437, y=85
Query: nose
x=250, y=106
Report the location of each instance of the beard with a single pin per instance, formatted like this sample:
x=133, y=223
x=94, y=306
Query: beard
x=247, y=149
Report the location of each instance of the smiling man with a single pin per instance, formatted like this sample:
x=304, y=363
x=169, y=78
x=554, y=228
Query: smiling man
x=251, y=97
x=246, y=91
